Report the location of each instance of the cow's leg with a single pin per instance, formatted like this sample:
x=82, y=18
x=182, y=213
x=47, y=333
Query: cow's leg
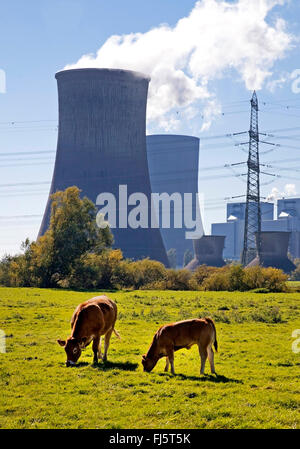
x=99, y=348
x=106, y=344
x=96, y=341
x=211, y=359
x=170, y=355
x=167, y=364
x=203, y=356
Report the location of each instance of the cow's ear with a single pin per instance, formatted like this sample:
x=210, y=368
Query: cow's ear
x=61, y=342
x=144, y=356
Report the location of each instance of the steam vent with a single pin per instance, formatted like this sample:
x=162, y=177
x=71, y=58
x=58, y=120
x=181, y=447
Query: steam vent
x=173, y=168
x=102, y=144
x=274, y=249
x=208, y=251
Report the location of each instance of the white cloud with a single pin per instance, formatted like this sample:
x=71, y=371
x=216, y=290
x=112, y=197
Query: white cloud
x=275, y=194
x=214, y=39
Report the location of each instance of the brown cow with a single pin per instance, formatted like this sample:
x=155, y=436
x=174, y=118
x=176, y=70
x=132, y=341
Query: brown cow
x=91, y=319
x=183, y=334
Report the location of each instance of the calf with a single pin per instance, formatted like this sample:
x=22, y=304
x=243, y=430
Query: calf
x=183, y=334
x=91, y=319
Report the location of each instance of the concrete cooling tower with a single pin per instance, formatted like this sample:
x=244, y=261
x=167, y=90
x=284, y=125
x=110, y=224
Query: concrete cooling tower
x=173, y=168
x=208, y=251
x=274, y=249
x=102, y=145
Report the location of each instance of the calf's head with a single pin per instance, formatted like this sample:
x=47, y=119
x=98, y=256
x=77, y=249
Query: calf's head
x=149, y=363
x=73, y=348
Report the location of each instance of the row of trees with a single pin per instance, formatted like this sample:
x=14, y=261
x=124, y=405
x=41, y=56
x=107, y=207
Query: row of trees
x=75, y=253
x=72, y=233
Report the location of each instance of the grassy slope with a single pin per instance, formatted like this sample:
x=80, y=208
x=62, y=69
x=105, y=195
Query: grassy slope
x=257, y=387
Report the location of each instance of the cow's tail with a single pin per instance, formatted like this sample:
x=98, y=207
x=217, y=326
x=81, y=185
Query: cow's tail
x=215, y=332
x=117, y=334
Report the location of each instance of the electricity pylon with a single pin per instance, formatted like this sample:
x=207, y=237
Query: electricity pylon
x=252, y=234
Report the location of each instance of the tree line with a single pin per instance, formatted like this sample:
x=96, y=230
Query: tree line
x=75, y=253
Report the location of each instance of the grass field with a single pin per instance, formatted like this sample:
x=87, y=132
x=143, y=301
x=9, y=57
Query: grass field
x=258, y=380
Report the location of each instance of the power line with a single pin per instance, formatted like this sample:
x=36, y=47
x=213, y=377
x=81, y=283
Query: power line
x=17, y=184
x=23, y=153
x=13, y=122
x=12, y=217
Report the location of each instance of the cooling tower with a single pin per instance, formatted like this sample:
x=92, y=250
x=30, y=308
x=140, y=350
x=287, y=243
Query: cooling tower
x=173, y=168
x=208, y=251
x=102, y=144
x=274, y=249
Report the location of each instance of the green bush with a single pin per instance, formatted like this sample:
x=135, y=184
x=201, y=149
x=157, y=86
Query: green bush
x=234, y=277
x=202, y=272
x=218, y=281
x=178, y=280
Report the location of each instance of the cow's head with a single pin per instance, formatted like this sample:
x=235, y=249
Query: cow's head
x=148, y=363
x=73, y=348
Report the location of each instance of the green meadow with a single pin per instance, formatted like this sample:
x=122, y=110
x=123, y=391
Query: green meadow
x=258, y=375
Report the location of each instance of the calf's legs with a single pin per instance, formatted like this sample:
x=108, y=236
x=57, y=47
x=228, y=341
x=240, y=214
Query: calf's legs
x=203, y=357
x=106, y=344
x=167, y=364
x=211, y=359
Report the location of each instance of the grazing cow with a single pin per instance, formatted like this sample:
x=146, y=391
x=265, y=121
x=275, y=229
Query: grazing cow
x=183, y=334
x=91, y=319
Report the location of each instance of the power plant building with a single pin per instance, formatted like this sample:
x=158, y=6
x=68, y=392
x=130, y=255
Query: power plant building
x=102, y=145
x=208, y=251
x=173, y=167
x=287, y=221
x=233, y=229
x=274, y=249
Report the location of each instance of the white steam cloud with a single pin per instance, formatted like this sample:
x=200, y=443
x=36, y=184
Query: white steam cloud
x=275, y=194
x=214, y=39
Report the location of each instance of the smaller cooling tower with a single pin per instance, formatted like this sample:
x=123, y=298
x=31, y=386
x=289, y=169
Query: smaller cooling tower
x=274, y=249
x=208, y=251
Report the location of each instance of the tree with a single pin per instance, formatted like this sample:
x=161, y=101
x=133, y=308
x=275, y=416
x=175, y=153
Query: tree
x=72, y=232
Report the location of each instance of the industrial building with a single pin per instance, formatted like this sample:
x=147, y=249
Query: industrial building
x=102, y=145
x=173, y=168
x=287, y=220
x=208, y=251
x=273, y=251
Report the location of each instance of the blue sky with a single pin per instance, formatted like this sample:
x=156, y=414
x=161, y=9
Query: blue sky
x=40, y=37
